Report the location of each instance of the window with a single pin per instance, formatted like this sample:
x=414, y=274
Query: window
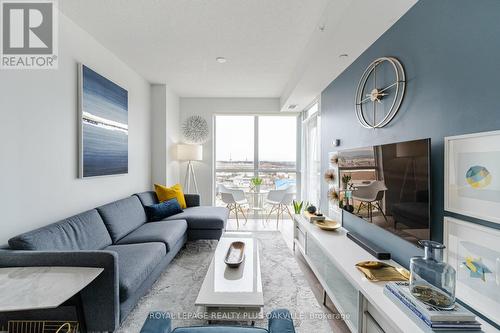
x=311, y=155
x=235, y=142
x=255, y=146
x=277, y=143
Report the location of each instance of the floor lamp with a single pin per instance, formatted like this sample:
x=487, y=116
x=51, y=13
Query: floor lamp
x=190, y=153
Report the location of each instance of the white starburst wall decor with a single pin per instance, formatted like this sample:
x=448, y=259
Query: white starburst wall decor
x=195, y=130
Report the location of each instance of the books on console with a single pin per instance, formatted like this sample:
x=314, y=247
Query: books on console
x=459, y=318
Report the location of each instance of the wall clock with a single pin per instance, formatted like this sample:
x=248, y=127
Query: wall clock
x=380, y=92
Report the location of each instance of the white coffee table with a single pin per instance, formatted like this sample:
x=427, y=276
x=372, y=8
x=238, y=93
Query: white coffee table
x=233, y=294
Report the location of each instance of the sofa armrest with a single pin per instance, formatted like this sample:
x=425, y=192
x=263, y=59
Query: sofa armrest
x=280, y=321
x=192, y=200
x=157, y=322
x=100, y=299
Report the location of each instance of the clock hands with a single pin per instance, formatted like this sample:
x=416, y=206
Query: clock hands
x=377, y=95
x=389, y=86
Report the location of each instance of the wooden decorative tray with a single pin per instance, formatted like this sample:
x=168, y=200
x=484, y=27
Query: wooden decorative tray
x=327, y=225
x=235, y=254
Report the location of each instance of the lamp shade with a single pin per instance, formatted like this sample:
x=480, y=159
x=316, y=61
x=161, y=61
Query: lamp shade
x=189, y=152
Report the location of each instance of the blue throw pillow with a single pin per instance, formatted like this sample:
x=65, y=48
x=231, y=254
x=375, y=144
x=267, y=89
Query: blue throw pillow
x=163, y=210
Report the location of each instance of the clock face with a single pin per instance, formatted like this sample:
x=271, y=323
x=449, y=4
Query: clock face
x=380, y=92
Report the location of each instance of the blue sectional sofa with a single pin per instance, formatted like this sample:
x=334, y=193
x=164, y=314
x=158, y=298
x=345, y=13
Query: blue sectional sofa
x=280, y=321
x=118, y=238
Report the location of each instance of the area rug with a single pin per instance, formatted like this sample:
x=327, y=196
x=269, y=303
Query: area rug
x=283, y=284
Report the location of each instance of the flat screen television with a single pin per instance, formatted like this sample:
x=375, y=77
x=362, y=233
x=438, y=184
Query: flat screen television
x=390, y=186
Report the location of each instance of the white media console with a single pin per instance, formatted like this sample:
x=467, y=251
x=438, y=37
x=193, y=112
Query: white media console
x=332, y=257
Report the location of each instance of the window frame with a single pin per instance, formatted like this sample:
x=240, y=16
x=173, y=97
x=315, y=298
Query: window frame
x=306, y=118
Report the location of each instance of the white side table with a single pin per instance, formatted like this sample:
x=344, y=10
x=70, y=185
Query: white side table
x=35, y=288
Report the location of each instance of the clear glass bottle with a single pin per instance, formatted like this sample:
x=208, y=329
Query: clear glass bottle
x=432, y=281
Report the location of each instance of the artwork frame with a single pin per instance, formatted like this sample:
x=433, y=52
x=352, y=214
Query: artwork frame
x=472, y=175
x=468, y=243
x=102, y=125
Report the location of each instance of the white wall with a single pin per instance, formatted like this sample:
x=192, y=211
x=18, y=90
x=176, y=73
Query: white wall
x=164, y=134
x=173, y=133
x=207, y=108
x=38, y=137
x=159, y=133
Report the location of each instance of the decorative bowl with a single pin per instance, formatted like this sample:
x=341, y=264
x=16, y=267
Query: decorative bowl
x=328, y=225
x=235, y=254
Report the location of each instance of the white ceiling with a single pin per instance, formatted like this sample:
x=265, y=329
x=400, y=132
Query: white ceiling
x=348, y=27
x=176, y=41
x=274, y=48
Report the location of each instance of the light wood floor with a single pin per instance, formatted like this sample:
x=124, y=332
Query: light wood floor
x=286, y=229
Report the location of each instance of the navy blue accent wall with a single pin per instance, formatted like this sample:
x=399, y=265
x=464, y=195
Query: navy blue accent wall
x=451, y=53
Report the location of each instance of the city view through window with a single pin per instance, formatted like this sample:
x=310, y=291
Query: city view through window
x=255, y=146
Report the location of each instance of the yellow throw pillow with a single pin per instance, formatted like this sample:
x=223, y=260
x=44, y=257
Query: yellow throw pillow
x=175, y=192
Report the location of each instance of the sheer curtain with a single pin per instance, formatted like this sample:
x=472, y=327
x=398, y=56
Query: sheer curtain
x=311, y=156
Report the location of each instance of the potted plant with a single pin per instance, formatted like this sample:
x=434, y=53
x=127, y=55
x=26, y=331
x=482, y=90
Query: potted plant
x=256, y=183
x=297, y=206
x=346, y=179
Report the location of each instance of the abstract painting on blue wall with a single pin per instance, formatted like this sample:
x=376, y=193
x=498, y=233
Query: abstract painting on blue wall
x=103, y=125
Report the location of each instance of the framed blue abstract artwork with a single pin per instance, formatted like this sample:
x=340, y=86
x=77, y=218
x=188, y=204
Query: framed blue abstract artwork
x=472, y=175
x=103, y=124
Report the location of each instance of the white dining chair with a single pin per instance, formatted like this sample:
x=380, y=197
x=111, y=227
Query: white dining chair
x=280, y=200
x=370, y=195
x=234, y=200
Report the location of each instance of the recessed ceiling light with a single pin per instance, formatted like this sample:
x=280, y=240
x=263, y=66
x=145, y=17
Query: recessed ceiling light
x=221, y=60
x=343, y=55
x=292, y=106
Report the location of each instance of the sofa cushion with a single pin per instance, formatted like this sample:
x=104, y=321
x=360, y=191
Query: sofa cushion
x=219, y=329
x=174, y=192
x=203, y=217
x=123, y=216
x=162, y=210
x=148, y=198
x=85, y=231
x=135, y=263
x=167, y=232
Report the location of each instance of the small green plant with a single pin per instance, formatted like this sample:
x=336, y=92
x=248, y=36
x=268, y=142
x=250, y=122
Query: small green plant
x=256, y=181
x=346, y=179
x=297, y=206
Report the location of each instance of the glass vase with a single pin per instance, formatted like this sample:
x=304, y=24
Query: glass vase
x=432, y=281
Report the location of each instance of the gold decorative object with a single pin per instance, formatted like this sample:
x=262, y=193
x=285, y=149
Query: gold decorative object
x=432, y=296
x=334, y=159
x=328, y=225
x=380, y=271
x=42, y=326
x=333, y=195
x=330, y=176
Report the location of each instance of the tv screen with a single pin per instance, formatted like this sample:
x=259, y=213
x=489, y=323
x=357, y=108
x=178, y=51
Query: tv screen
x=389, y=186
